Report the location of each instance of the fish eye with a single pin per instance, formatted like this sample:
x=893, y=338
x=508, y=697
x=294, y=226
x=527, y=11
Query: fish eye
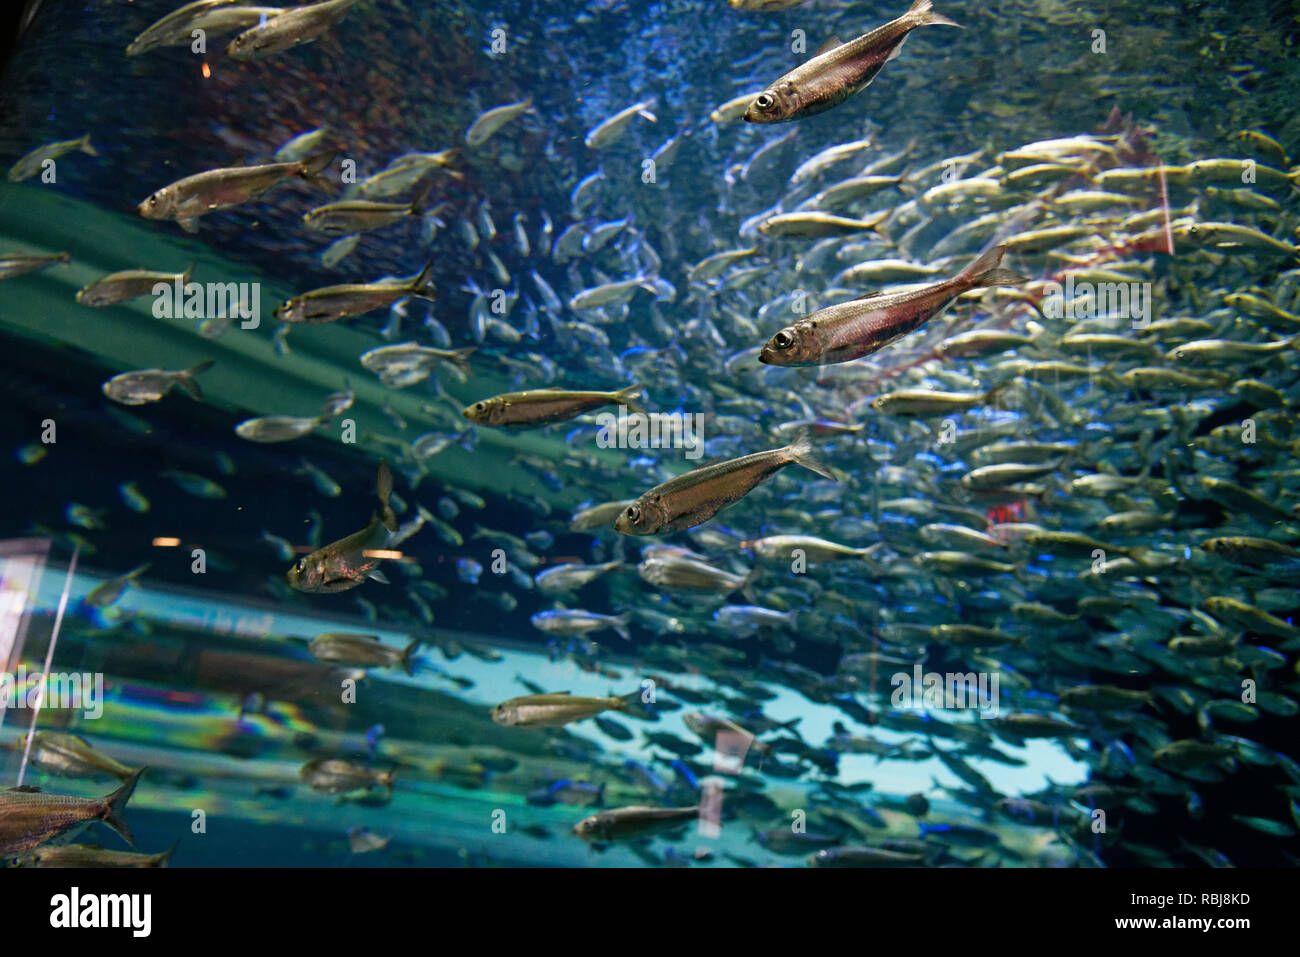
x=765, y=101
x=783, y=340
x=480, y=407
x=153, y=200
x=633, y=512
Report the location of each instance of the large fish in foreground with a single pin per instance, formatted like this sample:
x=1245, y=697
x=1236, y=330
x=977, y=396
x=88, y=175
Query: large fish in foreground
x=694, y=498
x=851, y=330
x=349, y=561
x=840, y=70
x=29, y=817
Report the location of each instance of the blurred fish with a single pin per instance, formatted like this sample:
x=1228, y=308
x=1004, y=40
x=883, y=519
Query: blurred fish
x=34, y=162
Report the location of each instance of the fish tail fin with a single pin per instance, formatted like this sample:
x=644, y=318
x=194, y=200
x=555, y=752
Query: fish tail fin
x=869, y=553
x=994, y=393
x=422, y=286
x=620, y=625
x=187, y=275
x=139, y=570
x=460, y=357
x=312, y=166
x=628, y=396
x=985, y=271
x=83, y=144
x=385, y=488
x=873, y=224
x=420, y=205
x=801, y=453
x=408, y=657
x=115, y=807
x=188, y=382
x=922, y=13
x=165, y=857
x=747, y=587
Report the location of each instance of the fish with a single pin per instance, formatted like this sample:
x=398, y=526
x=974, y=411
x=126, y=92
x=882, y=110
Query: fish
x=288, y=29
x=319, y=478
x=362, y=651
x=609, y=131
x=695, y=497
x=782, y=548
x=858, y=328
x=839, y=70
x=277, y=428
x=349, y=216
x=489, y=122
x=106, y=593
x=572, y=576
x=332, y=303
x=71, y=756
x=597, y=516
x=149, y=385
x=338, y=776
x=225, y=188
x=406, y=363
x=123, y=286
x=13, y=265
x=858, y=855
x=211, y=16
x=633, y=823
x=362, y=840
x=546, y=406
x=302, y=146
x=348, y=562
x=195, y=485
x=573, y=621
x=674, y=571
x=817, y=224
x=405, y=173
x=30, y=817
x=551, y=710
x=91, y=856
x=34, y=162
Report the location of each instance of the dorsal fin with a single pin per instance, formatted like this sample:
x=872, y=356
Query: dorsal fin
x=829, y=45
x=870, y=295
